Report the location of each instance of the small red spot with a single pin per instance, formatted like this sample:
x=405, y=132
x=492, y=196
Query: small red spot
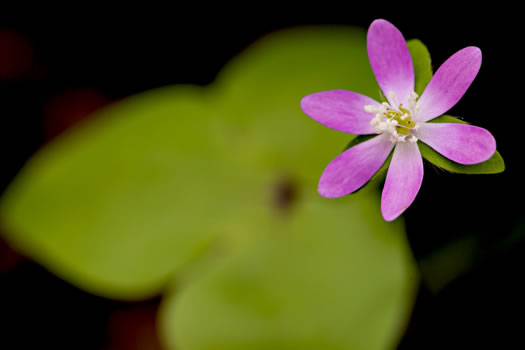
x=69, y=107
x=8, y=257
x=16, y=55
x=134, y=328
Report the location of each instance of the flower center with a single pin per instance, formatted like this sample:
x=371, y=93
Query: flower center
x=396, y=121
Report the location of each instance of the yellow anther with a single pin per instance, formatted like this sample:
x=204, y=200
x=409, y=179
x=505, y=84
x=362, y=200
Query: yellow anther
x=396, y=121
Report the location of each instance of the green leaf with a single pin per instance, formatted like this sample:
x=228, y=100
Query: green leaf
x=120, y=204
x=493, y=165
x=358, y=139
x=337, y=277
x=260, y=91
x=448, y=119
x=128, y=200
x=381, y=172
x=161, y=186
x=422, y=64
x=382, y=97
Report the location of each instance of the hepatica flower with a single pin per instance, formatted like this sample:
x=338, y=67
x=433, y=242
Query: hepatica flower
x=400, y=123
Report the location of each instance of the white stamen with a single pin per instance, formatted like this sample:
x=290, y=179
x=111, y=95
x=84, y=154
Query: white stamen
x=371, y=109
x=375, y=120
x=412, y=139
x=395, y=120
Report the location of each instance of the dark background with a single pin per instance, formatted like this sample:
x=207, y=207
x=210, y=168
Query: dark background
x=54, y=71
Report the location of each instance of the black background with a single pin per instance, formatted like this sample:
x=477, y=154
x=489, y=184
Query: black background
x=120, y=54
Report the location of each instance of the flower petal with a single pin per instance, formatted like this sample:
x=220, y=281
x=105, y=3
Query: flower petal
x=354, y=167
x=449, y=84
x=464, y=144
x=341, y=110
x=390, y=60
x=403, y=180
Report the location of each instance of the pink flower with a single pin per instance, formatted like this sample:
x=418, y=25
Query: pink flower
x=400, y=124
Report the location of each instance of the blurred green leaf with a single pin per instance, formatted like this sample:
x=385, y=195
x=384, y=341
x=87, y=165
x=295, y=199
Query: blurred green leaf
x=123, y=202
x=422, y=64
x=493, y=165
x=260, y=91
x=157, y=186
x=335, y=276
x=119, y=204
